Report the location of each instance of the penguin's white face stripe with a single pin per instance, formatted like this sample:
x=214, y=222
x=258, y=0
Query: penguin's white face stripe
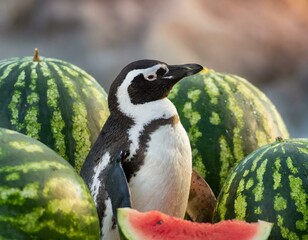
x=150, y=73
x=96, y=183
x=142, y=114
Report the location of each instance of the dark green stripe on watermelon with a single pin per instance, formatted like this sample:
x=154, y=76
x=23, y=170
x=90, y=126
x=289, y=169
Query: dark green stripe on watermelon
x=226, y=118
x=270, y=184
x=41, y=195
x=54, y=102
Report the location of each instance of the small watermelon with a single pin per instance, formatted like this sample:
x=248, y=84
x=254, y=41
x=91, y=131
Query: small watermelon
x=52, y=101
x=41, y=195
x=226, y=118
x=270, y=184
x=154, y=225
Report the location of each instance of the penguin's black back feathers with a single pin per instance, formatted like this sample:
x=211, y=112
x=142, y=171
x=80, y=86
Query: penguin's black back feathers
x=113, y=133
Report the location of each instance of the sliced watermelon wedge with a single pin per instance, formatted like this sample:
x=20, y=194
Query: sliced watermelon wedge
x=135, y=225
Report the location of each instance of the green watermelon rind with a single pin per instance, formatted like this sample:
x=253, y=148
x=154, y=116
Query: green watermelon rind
x=41, y=195
x=271, y=184
x=226, y=118
x=53, y=101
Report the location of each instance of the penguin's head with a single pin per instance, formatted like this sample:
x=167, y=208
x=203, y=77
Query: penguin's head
x=147, y=80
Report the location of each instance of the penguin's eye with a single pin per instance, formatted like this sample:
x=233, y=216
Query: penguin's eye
x=162, y=71
x=150, y=77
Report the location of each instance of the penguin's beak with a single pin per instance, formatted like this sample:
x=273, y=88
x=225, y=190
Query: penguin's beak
x=177, y=72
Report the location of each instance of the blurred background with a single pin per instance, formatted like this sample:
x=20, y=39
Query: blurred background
x=264, y=41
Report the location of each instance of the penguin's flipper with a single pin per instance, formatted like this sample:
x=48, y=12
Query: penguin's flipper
x=116, y=184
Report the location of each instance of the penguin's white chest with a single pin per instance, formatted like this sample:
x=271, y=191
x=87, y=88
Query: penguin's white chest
x=163, y=181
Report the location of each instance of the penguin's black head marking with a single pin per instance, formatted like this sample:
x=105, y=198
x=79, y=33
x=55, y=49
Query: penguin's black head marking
x=145, y=81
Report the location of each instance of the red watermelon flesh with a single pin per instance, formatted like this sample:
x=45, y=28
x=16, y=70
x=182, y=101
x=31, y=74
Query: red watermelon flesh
x=135, y=225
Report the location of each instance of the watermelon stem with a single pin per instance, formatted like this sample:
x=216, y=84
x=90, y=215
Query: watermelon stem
x=36, y=57
x=279, y=139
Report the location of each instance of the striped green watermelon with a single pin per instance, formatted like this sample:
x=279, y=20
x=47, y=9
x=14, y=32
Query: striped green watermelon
x=41, y=195
x=52, y=101
x=270, y=184
x=226, y=118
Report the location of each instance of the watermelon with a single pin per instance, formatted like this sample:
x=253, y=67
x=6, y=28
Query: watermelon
x=155, y=225
x=53, y=101
x=270, y=184
x=226, y=118
x=41, y=195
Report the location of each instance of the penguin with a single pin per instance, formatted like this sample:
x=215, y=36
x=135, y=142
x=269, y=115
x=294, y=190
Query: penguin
x=142, y=156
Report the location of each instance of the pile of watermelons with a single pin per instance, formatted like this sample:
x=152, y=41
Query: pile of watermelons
x=240, y=145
